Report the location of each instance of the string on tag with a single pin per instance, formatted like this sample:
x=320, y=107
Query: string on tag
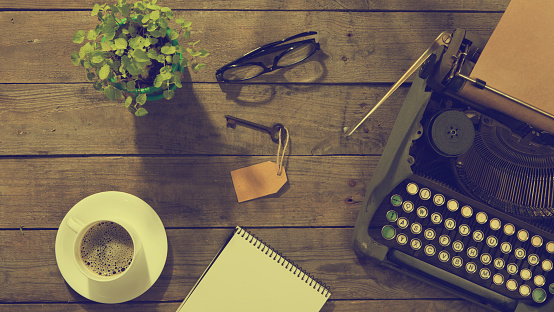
x=281, y=158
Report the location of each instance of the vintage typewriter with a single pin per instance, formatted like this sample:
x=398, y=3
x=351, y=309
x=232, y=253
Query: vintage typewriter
x=463, y=195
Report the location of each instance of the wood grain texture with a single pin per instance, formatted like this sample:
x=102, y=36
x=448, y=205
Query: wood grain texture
x=53, y=119
x=29, y=269
x=356, y=47
x=255, y=5
x=422, y=305
x=185, y=191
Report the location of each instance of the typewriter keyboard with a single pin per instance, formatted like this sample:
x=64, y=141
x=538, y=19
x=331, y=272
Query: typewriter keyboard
x=469, y=239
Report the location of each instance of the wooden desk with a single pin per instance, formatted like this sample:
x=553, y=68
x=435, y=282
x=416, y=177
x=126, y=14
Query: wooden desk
x=61, y=141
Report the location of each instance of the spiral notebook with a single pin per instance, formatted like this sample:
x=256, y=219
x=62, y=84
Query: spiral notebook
x=249, y=276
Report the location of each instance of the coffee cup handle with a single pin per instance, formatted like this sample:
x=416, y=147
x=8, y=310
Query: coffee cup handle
x=75, y=224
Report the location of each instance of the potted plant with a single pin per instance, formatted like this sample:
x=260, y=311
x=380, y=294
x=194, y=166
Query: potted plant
x=133, y=54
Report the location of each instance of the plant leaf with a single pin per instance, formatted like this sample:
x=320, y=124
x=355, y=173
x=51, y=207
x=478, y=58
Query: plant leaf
x=130, y=86
x=203, y=53
x=155, y=15
x=141, y=112
x=128, y=101
x=198, y=67
x=96, y=57
x=120, y=43
x=168, y=94
x=177, y=80
x=79, y=36
x=173, y=35
x=104, y=72
x=75, y=58
x=91, y=35
x=109, y=92
x=141, y=99
x=140, y=56
x=168, y=49
x=95, y=10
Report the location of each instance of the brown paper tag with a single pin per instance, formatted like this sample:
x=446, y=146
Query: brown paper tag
x=257, y=181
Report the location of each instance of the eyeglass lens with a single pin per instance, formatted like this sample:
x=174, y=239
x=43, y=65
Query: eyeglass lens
x=248, y=70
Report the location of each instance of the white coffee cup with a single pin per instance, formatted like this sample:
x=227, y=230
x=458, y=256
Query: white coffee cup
x=81, y=228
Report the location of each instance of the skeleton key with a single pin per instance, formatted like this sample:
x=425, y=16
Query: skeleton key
x=273, y=131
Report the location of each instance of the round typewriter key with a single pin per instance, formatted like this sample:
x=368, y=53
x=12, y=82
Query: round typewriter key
x=512, y=268
x=403, y=223
x=525, y=274
x=439, y=200
x=412, y=188
x=464, y=230
x=523, y=235
x=509, y=229
x=481, y=217
x=444, y=256
x=511, y=284
x=495, y=224
x=485, y=273
x=415, y=244
x=401, y=239
x=519, y=253
x=551, y=288
x=457, y=262
x=536, y=241
x=422, y=212
x=547, y=265
x=539, y=295
x=499, y=263
x=471, y=267
x=472, y=252
x=436, y=218
x=539, y=280
x=467, y=211
x=449, y=224
x=492, y=241
x=429, y=234
x=396, y=200
x=486, y=259
x=444, y=240
x=388, y=232
x=415, y=228
x=533, y=259
x=550, y=247
x=408, y=206
x=498, y=279
x=458, y=246
x=424, y=193
x=478, y=236
x=524, y=290
x=506, y=247
x=392, y=216
x=429, y=250
x=452, y=205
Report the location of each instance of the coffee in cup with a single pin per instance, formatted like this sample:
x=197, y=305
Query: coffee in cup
x=106, y=249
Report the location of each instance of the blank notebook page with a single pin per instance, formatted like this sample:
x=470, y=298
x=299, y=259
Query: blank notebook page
x=248, y=276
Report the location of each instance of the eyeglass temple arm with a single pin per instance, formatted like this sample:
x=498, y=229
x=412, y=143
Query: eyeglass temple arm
x=442, y=40
x=269, y=45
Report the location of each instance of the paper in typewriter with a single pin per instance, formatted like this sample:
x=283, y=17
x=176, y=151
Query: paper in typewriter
x=518, y=58
x=248, y=276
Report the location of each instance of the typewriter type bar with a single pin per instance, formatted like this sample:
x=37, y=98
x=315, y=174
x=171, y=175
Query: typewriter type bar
x=443, y=204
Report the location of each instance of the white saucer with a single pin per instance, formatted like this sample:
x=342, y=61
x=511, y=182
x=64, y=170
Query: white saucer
x=148, y=226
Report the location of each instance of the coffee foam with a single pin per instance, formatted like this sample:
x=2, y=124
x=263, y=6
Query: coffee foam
x=107, y=249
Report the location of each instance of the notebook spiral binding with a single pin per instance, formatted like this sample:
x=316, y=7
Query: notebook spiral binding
x=309, y=279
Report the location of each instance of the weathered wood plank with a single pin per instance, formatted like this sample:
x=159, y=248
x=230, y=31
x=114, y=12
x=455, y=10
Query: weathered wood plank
x=254, y=5
x=331, y=306
x=57, y=119
x=29, y=272
x=357, y=47
x=185, y=191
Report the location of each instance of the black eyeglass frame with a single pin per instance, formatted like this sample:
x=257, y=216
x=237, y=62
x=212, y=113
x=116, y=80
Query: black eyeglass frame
x=269, y=49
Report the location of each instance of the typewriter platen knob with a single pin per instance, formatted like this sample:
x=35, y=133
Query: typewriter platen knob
x=451, y=133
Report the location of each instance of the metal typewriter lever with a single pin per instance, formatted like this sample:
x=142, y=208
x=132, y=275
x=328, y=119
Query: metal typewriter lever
x=442, y=40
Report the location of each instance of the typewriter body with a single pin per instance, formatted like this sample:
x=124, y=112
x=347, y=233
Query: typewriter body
x=463, y=195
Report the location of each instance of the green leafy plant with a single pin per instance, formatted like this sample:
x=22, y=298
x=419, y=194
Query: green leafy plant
x=133, y=50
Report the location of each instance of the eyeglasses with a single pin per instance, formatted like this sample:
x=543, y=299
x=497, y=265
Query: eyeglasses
x=251, y=65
